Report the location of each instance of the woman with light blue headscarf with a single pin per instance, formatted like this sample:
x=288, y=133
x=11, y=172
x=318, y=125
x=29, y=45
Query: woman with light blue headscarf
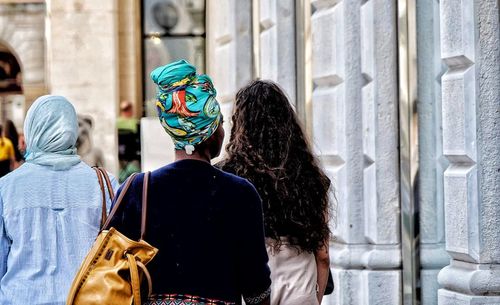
x=50, y=209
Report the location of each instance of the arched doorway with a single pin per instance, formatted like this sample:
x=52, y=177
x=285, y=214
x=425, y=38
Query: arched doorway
x=11, y=88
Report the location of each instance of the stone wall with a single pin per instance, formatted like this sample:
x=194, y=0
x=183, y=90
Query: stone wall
x=83, y=64
x=229, y=51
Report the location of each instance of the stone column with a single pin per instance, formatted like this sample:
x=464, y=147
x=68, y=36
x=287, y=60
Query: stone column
x=229, y=50
x=355, y=129
x=433, y=256
x=82, y=56
x=277, y=44
x=471, y=132
x=129, y=54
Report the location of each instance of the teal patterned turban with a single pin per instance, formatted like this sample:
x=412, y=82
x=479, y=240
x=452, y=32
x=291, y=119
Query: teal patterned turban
x=186, y=104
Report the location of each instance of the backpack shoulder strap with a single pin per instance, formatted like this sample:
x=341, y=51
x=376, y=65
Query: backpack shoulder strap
x=103, y=192
x=108, y=182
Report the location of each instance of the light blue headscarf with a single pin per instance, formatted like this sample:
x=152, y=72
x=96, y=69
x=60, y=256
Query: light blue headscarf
x=51, y=130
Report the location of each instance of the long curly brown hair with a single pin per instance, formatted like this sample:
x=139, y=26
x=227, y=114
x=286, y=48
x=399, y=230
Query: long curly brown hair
x=269, y=148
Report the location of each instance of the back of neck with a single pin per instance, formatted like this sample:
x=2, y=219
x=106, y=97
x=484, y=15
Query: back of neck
x=196, y=155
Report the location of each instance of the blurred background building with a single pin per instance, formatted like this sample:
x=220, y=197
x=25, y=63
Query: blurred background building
x=401, y=99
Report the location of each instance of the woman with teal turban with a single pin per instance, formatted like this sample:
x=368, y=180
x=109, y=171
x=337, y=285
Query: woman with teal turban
x=186, y=104
x=206, y=223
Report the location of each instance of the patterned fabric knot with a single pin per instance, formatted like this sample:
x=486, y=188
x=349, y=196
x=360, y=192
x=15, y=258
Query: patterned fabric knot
x=186, y=104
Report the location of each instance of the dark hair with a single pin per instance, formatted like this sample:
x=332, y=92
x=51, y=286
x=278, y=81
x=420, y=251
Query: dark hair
x=269, y=148
x=1, y=135
x=10, y=132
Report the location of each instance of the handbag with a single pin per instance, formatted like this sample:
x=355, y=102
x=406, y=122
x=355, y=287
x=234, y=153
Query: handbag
x=112, y=271
x=329, y=283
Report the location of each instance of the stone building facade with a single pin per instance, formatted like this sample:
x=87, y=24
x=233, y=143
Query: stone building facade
x=401, y=99
x=437, y=107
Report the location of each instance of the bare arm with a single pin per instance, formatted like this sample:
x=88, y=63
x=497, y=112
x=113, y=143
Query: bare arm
x=323, y=267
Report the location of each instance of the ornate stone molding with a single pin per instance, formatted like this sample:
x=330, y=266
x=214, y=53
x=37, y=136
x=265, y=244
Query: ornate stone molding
x=470, y=278
x=365, y=256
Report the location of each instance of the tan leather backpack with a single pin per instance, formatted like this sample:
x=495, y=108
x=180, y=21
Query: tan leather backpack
x=112, y=271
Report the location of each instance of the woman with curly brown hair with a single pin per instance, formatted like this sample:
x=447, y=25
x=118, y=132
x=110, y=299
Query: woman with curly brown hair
x=269, y=148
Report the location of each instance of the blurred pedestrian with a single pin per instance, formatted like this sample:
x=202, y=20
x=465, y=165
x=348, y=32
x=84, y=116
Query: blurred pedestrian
x=269, y=148
x=10, y=132
x=129, y=145
x=206, y=224
x=7, y=155
x=50, y=209
x=85, y=148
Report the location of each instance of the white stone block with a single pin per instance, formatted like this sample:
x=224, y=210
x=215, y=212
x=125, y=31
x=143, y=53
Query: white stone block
x=222, y=21
x=277, y=44
x=267, y=11
x=459, y=115
x=224, y=79
x=329, y=120
x=269, y=53
x=462, y=212
x=243, y=27
x=349, y=288
x=457, y=32
x=367, y=32
x=382, y=287
x=328, y=32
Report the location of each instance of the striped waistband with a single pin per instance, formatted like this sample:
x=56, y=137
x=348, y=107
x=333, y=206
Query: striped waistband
x=182, y=299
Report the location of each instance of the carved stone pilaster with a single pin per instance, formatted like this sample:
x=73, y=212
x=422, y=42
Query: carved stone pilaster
x=355, y=129
x=471, y=119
